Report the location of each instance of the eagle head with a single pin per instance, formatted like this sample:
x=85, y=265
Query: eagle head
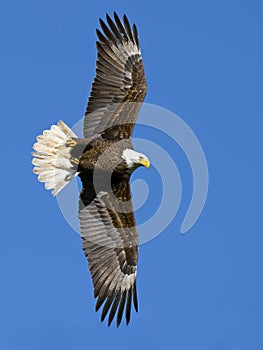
x=134, y=159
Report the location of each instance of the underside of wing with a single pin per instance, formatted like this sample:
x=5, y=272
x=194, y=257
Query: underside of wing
x=110, y=243
x=119, y=87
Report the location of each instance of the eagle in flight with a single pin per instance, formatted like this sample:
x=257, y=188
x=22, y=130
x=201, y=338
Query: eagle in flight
x=104, y=159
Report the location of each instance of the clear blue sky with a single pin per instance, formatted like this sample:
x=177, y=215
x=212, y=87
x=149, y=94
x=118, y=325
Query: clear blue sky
x=202, y=290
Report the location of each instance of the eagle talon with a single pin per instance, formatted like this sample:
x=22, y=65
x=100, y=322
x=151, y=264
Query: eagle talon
x=74, y=161
x=71, y=143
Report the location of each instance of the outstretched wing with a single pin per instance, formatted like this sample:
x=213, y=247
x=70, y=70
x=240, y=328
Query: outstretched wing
x=119, y=87
x=110, y=243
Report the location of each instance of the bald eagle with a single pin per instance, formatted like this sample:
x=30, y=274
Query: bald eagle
x=104, y=159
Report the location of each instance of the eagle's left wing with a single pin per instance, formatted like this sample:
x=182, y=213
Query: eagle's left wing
x=110, y=243
x=119, y=87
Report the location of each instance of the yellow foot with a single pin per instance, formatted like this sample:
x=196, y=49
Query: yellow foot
x=74, y=161
x=71, y=143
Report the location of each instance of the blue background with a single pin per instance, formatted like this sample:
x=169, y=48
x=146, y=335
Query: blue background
x=202, y=290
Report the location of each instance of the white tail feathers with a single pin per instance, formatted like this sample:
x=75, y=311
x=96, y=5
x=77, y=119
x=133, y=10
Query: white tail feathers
x=52, y=157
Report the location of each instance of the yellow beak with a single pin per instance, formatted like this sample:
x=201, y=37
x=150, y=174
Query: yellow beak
x=145, y=162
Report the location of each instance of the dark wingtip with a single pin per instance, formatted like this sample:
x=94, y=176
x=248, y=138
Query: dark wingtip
x=101, y=21
x=120, y=26
x=99, y=302
x=100, y=36
x=116, y=17
x=135, y=34
x=106, y=30
x=108, y=17
x=128, y=307
x=102, y=317
x=128, y=28
x=121, y=308
x=114, y=308
x=106, y=307
x=135, y=298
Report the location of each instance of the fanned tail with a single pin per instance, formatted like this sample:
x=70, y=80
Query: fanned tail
x=52, y=158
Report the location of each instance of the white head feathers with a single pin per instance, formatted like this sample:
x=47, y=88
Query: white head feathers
x=134, y=159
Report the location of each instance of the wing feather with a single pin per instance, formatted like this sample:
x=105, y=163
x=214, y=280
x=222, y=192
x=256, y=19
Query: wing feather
x=107, y=306
x=128, y=28
x=103, y=284
x=135, y=35
x=121, y=308
x=120, y=26
x=135, y=299
x=128, y=307
x=114, y=308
